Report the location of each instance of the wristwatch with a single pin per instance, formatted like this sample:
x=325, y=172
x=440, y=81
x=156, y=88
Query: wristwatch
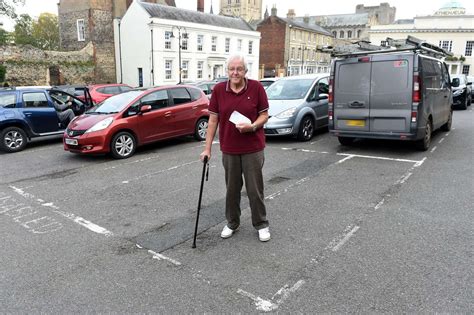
x=254, y=127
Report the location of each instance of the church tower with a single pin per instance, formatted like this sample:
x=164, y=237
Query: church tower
x=249, y=10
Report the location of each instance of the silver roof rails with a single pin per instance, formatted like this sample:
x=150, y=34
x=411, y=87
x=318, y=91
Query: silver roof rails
x=364, y=48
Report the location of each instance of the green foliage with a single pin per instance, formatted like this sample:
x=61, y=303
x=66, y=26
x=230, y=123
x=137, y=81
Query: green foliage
x=3, y=71
x=23, y=30
x=4, y=37
x=7, y=7
x=45, y=32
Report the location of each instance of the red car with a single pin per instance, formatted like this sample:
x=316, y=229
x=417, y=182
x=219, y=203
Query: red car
x=130, y=119
x=100, y=92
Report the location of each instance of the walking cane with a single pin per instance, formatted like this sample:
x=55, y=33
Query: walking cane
x=200, y=196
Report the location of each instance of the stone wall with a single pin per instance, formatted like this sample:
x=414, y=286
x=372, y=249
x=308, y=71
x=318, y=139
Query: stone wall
x=27, y=65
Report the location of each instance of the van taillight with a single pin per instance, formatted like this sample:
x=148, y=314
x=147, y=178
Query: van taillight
x=416, y=89
x=413, y=116
x=364, y=59
x=330, y=96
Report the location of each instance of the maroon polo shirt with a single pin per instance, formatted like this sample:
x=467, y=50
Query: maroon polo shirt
x=250, y=102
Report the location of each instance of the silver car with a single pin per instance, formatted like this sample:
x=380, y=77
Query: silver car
x=298, y=106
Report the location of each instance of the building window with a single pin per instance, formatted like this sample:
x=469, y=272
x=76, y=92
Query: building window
x=184, y=69
x=294, y=34
x=214, y=43
x=237, y=1
x=239, y=45
x=250, y=47
x=168, y=68
x=168, y=40
x=250, y=66
x=341, y=34
x=81, y=32
x=200, y=66
x=446, y=44
x=227, y=45
x=358, y=33
x=229, y=1
x=184, y=42
x=200, y=40
x=293, y=53
x=468, y=51
x=349, y=34
x=465, y=69
x=334, y=33
x=383, y=43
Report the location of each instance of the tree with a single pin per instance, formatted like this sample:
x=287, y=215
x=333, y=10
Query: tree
x=3, y=71
x=45, y=32
x=7, y=7
x=23, y=30
x=4, y=36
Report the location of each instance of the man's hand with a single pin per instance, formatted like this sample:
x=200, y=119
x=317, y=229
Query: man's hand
x=244, y=127
x=205, y=153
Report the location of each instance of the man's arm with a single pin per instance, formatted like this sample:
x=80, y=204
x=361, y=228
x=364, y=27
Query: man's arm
x=257, y=124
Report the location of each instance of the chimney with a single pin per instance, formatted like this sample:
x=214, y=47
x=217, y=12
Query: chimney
x=306, y=19
x=274, y=10
x=291, y=13
x=200, y=5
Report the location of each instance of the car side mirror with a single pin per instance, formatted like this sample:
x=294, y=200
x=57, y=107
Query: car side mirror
x=323, y=96
x=455, y=82
x=469, y=83
x=145, y=109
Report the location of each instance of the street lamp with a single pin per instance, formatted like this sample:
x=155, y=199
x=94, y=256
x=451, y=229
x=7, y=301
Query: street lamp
x=119, y=21
x=179, y=28
x=302, y=48
x=289, y=50
x=152, y=70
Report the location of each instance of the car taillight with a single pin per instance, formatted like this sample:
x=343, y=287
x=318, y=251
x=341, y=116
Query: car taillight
x=413, y=116
x=330, y=96
x=416, y=89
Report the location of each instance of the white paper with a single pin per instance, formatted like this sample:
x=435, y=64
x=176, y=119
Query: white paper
x=238, y=118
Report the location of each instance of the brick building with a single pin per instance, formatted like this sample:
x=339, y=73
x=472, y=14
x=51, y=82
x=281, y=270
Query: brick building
x=288, y=46
x=84, y=21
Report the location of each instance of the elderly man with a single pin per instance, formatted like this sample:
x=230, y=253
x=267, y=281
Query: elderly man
x=242, y=143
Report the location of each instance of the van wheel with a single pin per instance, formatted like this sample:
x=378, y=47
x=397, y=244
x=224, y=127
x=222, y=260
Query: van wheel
x=447, y=125
x=306, y=129
x=424, y=143
x=200, y=131
x=123, y=145
x=345, y=140
x=13, y=139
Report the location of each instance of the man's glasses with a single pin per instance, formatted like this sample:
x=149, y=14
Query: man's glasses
x=239, y=69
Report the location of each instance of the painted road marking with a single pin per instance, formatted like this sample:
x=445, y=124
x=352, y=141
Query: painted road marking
x=76, y=219
x=378, y=158
x=276, y=300
x=159, y=172
x=163, y=257
x=337, y=243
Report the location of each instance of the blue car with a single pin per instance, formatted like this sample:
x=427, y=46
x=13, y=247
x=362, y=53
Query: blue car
x=29, y=113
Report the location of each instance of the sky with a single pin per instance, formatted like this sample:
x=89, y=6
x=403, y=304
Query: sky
x=406, y=9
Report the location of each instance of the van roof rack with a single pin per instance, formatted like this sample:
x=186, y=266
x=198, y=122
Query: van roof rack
x=391, y=45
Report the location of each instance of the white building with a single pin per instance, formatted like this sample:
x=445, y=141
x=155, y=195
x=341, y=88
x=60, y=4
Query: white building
x=449, y=27
x=149, y=36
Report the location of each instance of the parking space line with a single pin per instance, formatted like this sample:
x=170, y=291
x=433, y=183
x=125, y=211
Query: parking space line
x=303, y=150
x=159, y=172
x=269, y=305
x=159, y=256
x=339, y=241
x=434, y=148
x=378, y=158
x=76, y=219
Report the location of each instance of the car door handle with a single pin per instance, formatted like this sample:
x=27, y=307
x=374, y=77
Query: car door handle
x=357, y=104
x=28, y=114
x=168, y=114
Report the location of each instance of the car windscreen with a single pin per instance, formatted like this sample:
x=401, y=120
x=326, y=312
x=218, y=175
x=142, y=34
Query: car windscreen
x=289, y=89
x=115, y=103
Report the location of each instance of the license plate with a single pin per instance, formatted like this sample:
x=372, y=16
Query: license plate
x=356, y=123
x=71, y=141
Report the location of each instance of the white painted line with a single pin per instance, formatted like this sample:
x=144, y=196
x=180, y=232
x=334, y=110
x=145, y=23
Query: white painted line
x=379, y=204
x=278, y=193
x=346, y=237
x=419, y=163
x=405, y=177
x=442, y=139
x=159, y=172
x=378, y=158
x=304, y=150
x=434, y=148
x=344, y=159
x=269, y=305
x=79, y=220
x=162, y=257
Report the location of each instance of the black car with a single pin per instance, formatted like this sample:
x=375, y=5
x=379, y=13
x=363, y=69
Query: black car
x=462, y=91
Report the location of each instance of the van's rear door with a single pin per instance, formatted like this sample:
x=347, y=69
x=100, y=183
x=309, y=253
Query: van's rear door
x=391, y=92
x=351, y=94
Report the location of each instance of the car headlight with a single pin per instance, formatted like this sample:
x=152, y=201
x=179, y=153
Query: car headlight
x=101, y=125
x=287, y=113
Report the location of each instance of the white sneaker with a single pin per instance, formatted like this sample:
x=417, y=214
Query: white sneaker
x=227, y=232
x=264, y=234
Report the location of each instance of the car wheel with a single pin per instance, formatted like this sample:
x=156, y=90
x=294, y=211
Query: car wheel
x=424, y=143
x=200, y=131
x=464, y=106
x=306, y=129
x=345, y=140
x=447, y=125
x=13, y=139
x=123, y=145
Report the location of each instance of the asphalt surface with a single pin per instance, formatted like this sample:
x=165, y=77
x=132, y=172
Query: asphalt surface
x=375, y=227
